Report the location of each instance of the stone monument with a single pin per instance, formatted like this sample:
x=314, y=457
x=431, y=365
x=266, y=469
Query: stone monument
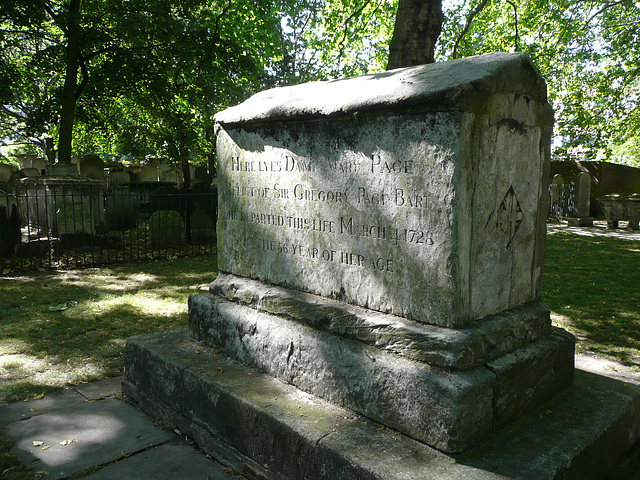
x=380, y=247
x=582, y=205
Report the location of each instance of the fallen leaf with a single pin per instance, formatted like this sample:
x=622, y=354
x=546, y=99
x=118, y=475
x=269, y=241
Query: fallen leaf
x=37, y=443
x=46, y=447
x=58, y=308
x=39, y=396
x=67, y=441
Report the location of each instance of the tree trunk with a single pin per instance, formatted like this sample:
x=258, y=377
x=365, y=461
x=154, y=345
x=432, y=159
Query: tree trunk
x=70, y=83
x=417, y=28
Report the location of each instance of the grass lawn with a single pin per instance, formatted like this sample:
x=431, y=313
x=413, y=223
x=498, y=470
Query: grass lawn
x=67, y=327
x=592, y=286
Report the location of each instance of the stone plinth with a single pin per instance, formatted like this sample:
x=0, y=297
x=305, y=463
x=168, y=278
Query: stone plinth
x=632, y=211
x=448, y=388
x=266, y=429
x=381, y=244
x=62, y=206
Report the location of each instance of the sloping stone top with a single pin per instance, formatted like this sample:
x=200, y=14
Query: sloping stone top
x=456, y=82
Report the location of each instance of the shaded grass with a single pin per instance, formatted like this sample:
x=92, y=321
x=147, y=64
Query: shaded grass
x=592, y=286
x=43, y=347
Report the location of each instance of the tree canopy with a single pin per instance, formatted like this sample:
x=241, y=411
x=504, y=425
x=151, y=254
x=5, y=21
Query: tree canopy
x=150, y=75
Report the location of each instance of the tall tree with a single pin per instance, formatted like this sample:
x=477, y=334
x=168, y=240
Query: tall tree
x=70, y=92
x=417, y=27
x=131, y=76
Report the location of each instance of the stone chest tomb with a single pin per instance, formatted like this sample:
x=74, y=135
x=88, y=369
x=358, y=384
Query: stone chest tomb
x=381, y=244
x=412, y=194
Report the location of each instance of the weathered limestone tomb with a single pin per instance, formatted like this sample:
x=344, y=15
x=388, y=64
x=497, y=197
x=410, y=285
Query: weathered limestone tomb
x=381, y=245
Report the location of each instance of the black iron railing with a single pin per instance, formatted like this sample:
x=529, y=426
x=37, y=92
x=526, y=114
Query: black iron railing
x=70, y=223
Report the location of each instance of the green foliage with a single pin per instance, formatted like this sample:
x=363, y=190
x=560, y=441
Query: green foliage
x=152, y=73
x=587, y=51
x=156, y=72
x=349, y=37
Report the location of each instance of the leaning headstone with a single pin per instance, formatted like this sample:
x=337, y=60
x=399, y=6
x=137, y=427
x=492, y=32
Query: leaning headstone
x=91, y=166
x=167, y=229
x=380, y=246
x=6, y=171
x=582, y=204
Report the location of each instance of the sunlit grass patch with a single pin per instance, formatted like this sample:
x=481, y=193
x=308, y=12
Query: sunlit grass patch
x=62, y=328
x=591, y=286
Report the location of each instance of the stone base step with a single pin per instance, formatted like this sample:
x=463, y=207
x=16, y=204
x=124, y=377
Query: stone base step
x=267, y=429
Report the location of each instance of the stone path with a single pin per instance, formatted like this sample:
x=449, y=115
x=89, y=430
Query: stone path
x=90, y=428
x=599, y=229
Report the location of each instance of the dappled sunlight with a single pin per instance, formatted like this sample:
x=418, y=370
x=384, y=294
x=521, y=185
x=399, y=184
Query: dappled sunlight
x=590, y=283
x=70, y=326
x=144, y=303
x=23, y=373
x=599, y=229
x=13, y=345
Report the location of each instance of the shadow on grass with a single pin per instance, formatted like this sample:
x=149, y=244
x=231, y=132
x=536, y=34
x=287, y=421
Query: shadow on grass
x=591, y=285
x=65, y=327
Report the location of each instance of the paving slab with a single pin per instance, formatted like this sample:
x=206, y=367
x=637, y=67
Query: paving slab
x=12, y=412
x=583, y=433
x=86, y=435
x=101, y=389
x=166, y=462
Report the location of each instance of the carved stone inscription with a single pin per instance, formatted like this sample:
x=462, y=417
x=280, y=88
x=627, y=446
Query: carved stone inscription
x=430, y=216
x=355, y=210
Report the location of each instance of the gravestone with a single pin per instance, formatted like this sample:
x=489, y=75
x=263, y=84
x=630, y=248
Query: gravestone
x=121, y=177
x=582, y=204
x=380, y=246
x=166, y=229
x=613, y=206
x=91, y=166
x=148, y=173
x=632, y=211
x=122, y=207
x=202, y=176
x=26, y=161
x=203, y=229
x=9, y=224
x=6, y=172
x=172, y=174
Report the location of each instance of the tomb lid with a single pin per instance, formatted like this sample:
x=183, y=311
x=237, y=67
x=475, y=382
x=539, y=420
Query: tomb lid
x=455, y=82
